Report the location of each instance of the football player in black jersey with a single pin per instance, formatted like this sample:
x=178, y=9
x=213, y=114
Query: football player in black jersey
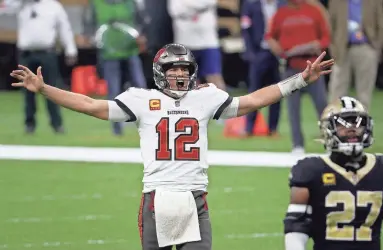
x=337, y=199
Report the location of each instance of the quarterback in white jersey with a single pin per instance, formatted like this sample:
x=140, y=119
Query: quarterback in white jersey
x=172, y=123
x=173, y=133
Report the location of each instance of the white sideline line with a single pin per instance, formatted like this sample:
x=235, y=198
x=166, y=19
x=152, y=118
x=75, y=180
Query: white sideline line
x=238, y=189
x=50, y=197
x=88, y=217
x=59, y=244
x=95, y=217
x=98, y=196
x=133, y=155
x=253, y=236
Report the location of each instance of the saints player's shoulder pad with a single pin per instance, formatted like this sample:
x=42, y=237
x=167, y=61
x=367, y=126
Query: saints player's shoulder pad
x=305, y=171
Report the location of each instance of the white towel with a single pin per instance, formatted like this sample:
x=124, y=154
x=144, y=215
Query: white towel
x=176, y=218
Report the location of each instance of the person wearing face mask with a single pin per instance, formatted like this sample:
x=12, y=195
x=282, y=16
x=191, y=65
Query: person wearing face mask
x=298, y=32
x=40, y=22
x=337, y=199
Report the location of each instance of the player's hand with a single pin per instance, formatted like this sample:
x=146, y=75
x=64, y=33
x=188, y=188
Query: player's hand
x=314, y=70
x=28, y=79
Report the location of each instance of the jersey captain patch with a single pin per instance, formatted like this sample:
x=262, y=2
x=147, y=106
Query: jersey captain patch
x=154, y=104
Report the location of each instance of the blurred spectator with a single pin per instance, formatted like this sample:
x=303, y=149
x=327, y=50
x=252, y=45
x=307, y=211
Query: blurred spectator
x=195, y=26
x=39, y=23
x=115, y=27
x=322, y=9
x=157, y=30
x=357, y=28
x=263, y=64
x=325, y=3
x=299, y=33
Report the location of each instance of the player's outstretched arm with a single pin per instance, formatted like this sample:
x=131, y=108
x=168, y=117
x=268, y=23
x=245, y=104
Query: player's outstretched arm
x=272, y=94
x=67, y=99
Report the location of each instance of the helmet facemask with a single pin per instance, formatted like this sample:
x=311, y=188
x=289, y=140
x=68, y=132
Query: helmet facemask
x=348, y=133
x=184, y=83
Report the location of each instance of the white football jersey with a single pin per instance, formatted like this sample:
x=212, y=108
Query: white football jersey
x=173, y=134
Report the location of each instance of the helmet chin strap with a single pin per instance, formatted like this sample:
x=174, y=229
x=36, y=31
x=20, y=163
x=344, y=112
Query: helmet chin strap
x=350, y=149
x=351, y=162
x=351, y=155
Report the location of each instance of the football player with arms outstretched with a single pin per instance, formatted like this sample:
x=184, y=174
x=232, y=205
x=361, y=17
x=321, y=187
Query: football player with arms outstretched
x=337, y=199
x=172, y=122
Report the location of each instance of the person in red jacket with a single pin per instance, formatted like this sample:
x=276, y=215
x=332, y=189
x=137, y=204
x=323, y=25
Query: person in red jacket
x=299, y=32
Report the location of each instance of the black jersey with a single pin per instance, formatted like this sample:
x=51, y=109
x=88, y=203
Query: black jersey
x=346, y=206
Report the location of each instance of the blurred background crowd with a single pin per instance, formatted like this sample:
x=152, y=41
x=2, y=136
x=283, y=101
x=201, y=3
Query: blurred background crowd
x=101, y=47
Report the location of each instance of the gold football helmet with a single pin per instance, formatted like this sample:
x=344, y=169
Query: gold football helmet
x=346, y=127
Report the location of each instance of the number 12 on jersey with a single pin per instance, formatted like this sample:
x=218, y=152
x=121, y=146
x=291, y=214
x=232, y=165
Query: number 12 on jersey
x=164, y=153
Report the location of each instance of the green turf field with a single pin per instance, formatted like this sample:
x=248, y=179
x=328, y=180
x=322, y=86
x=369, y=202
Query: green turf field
x=86, y=206
x=52, y=203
